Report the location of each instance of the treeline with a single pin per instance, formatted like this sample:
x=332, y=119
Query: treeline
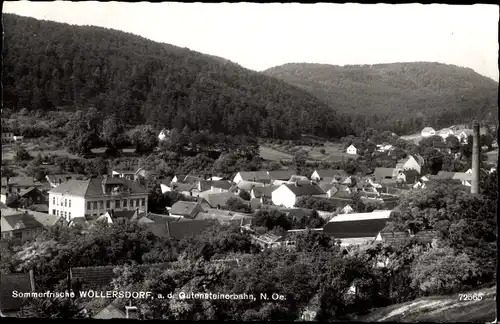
x=58, y=66
x=399, y=97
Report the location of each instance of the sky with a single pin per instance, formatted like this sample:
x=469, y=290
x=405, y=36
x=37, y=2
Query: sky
x=260, y=36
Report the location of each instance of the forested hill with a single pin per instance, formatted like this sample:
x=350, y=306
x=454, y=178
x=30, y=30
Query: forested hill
x=49, y=65
x=402, y=97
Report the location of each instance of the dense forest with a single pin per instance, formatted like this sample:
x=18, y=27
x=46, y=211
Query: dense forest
x=50, y=65
x=399, y=97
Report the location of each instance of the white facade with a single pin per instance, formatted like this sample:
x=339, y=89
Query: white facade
x=165, y=188
x=352, y=150
x=237, y=178
x=412, y=164
x=283, y=197
x=315, y=176
x=69, y=206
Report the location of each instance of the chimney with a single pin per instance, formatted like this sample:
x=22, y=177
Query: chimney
x=476, y=151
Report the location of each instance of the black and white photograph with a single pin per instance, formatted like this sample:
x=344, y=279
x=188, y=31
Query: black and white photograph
x=249, y=161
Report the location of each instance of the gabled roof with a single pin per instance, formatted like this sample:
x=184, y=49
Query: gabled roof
x=26, y=191
x=180, y=186
x=330, y=173
x=281, y=174
x=219, y=199
x=264, y=191
x=18, y=221
x=93, y=186
x=109, y=312
x=221, y=184
x=327, y=186
x=180, y=230
x=21, y=182
x=356, y=228
x=254, y=175
x=48, y=220
x=305, y=189
x=10, y=282
x=183, y=208
x=248, y=185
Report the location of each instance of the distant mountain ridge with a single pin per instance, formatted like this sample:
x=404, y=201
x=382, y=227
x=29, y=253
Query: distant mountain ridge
x=48, y=64
x=402, y=97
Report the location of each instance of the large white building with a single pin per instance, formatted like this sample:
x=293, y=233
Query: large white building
x=96, y=196
x=287, y=194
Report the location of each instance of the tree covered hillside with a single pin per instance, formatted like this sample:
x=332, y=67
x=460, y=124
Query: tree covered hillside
x=401, y=97
x=49, y=65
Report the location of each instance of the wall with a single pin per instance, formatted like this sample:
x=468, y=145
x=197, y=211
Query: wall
x=77, y=208
x=283, y=196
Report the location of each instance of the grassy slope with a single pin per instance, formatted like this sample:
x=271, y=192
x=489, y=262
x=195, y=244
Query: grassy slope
x=439, y=309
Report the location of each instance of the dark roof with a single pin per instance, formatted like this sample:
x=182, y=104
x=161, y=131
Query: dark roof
x=180, y=230
x=183, y=208
x=48, y=220
x=281, y=174
x=21, y=182
x=254, y=175
x=162, y=219
x=93, y=186
x=263, y=191
x=181, y=186
x=353, y=229
x=329, y=173
x=13, y=281
x=220, y=199
x=305, y=189
x=19, y=221
x=222, y=184
x=127, y=214
x=28, y=190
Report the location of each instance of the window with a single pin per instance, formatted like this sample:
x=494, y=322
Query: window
x=125, y=203
x=69, y=215
x=64, y=214
x=53, y=200
x=117, y=204
x=18, y=235
x=137, y=203
x=69, y=203
x=101, y=204
x=143, y=201
x=95, y=204
x=57, y=213
x=108, y=204
x=61, y=201
x=88, y=205
x=131, y=202
x=65, y=202
x=53, y=212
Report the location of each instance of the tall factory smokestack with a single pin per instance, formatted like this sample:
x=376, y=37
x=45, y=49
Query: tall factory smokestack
x=476, y=147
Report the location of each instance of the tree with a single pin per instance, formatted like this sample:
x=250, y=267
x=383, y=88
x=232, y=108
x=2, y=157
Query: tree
x=144, y=138
x=271, y=219
x=112, y=131
x=236, y=204
x=22, y=154
x=83, y=131
x=244, y=195
x=442, y=271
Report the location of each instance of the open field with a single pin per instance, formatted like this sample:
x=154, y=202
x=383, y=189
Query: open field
x=271, y=154
x=8, y=151
x=439, y=309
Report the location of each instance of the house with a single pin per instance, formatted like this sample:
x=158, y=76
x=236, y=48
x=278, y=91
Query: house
x=47, y=220
x=357, y=228
x=247, y=185
x=166, y=185
x=10, y=282
x=351, y=150
x=254, y=176
x=226, y=217
x=393, y=238
x=164, y=134
x=187, y=209
x=409, y=163
x=7, y=135
x=181, y=229
x=329, y=188
x=13, y=185
x=464, y=177
x=280, y=175
x=428, y=131
x=122, y=173
x=96, y=196
x=385, y=173
x=328, y=173
x=33, y=195
x=22, y=226
x=220, y=186
x=262, y=192
x=191, y=179
x=286, y=195
x=218, y=200
x=271, y=241
x=445, y=133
